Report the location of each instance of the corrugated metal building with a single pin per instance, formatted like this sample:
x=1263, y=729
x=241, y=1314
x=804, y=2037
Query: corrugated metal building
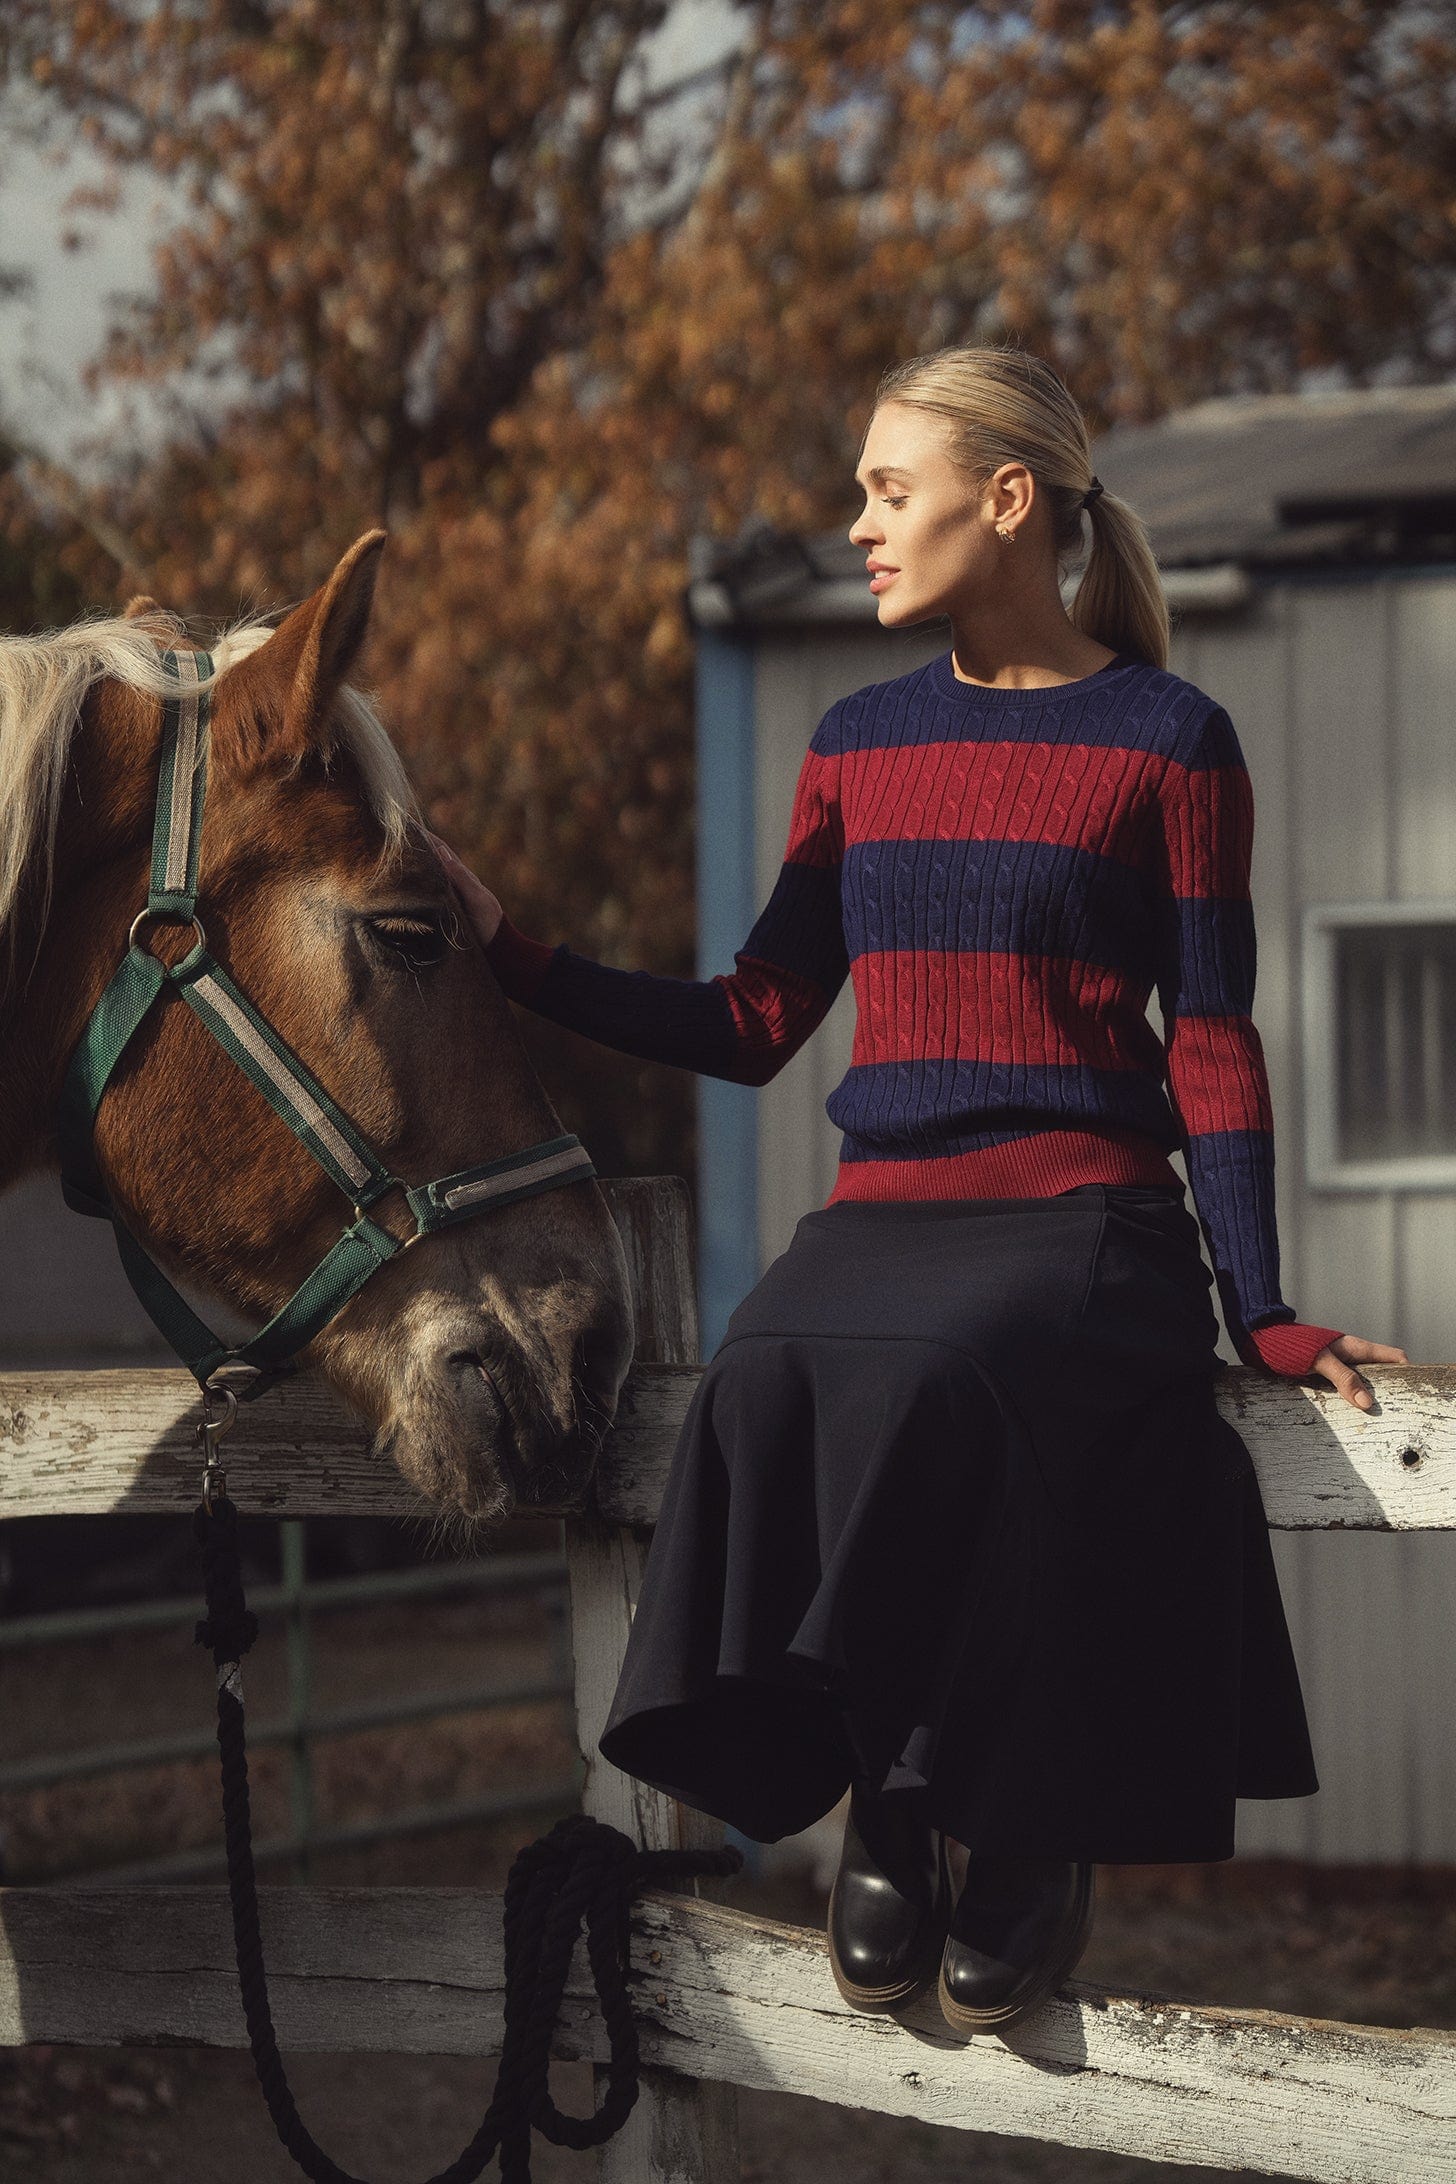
x=1309, y=549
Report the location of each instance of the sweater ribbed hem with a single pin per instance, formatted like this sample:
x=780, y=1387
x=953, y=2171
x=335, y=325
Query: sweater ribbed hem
x=1038, y=1166
x=519, y=963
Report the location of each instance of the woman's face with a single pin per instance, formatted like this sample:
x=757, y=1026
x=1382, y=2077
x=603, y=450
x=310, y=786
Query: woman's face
x=925, y=519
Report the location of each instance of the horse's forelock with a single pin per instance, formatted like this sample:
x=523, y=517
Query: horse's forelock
x=44, y=684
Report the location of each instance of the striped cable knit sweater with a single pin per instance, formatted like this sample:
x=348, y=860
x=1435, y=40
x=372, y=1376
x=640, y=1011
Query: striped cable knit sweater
x=1005, y=875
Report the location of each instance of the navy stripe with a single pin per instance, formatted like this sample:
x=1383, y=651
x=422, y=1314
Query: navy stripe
x=898, y=1110
x=1023, y=898
x=801, y=927
x=1153, y=712
x=1231, y=1174
x=687, y=1022
x=684, y=1021
x=1207, y=955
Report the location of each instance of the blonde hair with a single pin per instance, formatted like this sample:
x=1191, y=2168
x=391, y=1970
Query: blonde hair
x=43, y=685
x=1004, y=405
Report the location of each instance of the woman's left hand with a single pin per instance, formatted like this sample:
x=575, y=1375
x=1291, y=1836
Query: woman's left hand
x=1338, y=1362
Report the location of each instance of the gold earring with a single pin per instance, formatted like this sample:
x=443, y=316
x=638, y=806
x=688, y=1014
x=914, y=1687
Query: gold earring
x=1004, y=535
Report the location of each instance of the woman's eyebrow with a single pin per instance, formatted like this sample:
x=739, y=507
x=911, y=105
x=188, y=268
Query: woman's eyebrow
x=883, y=471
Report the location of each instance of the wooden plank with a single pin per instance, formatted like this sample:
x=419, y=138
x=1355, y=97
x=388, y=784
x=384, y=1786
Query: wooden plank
x=85, y=1443
x=79, y=1443
x=606, y=1564
x=747, y=2001
x=682, y=2129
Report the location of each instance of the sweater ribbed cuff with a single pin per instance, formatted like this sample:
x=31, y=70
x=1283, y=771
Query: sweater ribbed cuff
x=518, y=962
x=1290, y=1347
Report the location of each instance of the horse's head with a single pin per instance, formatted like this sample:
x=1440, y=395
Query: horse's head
x=489, y=1357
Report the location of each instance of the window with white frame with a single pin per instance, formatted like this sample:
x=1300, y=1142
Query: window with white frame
x=1380, y=1044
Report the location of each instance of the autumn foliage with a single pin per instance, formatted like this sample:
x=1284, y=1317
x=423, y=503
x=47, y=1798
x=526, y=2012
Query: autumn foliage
x=456, y=268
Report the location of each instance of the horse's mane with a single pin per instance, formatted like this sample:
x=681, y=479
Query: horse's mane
x=43, y=684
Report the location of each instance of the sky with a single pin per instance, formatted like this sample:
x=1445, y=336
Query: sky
x=48, y=334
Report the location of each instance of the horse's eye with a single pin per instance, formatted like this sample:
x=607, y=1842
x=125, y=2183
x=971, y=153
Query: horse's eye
x=419, y=941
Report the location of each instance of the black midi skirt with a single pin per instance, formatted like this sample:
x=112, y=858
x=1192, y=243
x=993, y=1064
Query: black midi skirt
x=953, y=1510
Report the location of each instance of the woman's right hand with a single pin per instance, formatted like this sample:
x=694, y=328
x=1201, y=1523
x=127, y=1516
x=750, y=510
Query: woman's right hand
x=483, y=909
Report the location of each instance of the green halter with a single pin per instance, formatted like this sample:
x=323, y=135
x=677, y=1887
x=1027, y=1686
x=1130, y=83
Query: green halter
x=280, y=1076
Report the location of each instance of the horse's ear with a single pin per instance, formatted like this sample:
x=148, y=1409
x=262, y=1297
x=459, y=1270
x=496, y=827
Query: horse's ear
x=275, y=702
x=140, y=603
x=338, y=616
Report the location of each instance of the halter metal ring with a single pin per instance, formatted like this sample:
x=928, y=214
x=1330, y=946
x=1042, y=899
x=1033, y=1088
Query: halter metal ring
x=403, y=1242
x=160, y=916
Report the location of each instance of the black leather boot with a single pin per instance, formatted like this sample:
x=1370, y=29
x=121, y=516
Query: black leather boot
x=890, y=1904
x=1018, y=1927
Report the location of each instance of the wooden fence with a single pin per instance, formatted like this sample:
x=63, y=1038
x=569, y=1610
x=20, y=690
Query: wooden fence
x=723, y=1998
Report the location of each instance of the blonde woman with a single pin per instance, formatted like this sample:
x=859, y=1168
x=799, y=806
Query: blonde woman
x=953, y=1521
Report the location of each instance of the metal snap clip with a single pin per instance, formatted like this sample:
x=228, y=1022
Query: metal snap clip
x=210, y=1432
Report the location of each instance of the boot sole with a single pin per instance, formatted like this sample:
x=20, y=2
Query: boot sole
x=896, y=1991
x=996, y=2018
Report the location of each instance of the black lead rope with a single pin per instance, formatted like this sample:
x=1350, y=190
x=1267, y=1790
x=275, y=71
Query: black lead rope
x=582, y=1869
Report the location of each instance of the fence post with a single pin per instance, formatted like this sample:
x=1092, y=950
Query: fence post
x=682, y=2130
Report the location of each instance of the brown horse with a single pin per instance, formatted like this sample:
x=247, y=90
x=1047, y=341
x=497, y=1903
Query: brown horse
x=488, y=1359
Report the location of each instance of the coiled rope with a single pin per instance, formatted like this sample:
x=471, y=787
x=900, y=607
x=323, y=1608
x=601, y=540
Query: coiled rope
x=582, y=1869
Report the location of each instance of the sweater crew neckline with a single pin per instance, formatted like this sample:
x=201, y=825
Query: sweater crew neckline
x=946, y=681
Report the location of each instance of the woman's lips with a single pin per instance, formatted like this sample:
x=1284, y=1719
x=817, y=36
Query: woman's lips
x=882, y=577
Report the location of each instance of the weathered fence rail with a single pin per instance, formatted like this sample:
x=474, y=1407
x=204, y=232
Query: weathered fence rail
x=84, y=1444
x=743, y=2000
x=723, y=1998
